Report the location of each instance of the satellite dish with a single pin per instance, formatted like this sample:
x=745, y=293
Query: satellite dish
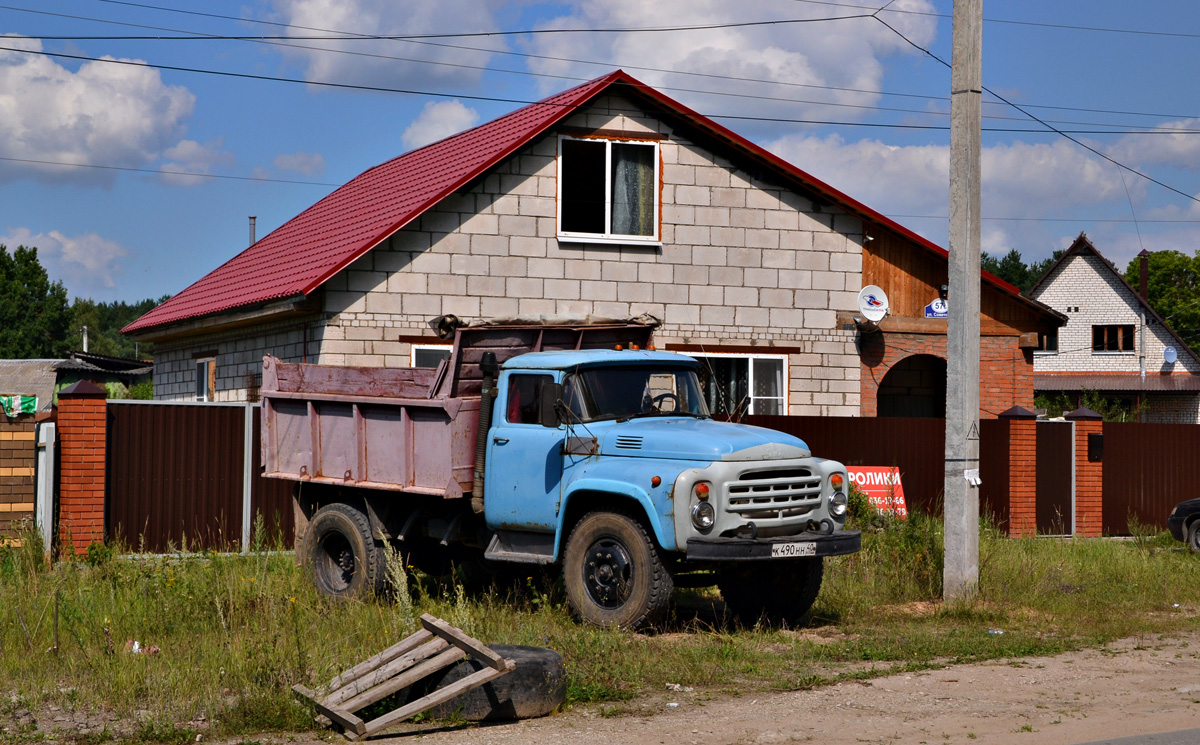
x=1170, y=355
x=872, y=303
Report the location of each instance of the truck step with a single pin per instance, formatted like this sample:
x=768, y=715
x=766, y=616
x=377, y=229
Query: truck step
x=521, y=547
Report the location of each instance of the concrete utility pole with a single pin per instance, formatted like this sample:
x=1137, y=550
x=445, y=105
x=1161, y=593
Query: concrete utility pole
x=961, y=569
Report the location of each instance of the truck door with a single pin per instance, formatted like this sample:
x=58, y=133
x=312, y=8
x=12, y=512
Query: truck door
x=524, y=459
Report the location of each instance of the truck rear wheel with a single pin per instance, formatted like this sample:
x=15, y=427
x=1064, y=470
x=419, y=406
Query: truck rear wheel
x=342, y=555
x=777, y=592
x=613, y=573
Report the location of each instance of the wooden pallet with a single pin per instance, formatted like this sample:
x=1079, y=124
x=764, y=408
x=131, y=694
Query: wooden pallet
x=435, y=646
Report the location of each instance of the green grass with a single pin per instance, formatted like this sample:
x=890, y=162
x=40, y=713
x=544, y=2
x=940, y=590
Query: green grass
x=236, y=632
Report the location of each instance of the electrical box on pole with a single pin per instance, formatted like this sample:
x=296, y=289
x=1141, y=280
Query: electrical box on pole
x=961, y=568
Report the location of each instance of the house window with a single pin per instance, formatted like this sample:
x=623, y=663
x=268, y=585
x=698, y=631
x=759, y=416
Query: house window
x=206, y=378
x=1112, y=338
x=1047, y=342
x=744, y=384
x=608, y=190
x=429, y=355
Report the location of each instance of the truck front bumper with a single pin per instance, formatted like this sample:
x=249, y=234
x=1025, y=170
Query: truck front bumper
x=765, y=549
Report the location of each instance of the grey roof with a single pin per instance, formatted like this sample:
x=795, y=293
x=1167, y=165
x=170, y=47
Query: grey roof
x=30, y=378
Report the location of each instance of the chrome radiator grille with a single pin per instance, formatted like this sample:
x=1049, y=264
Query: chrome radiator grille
x=775, y=494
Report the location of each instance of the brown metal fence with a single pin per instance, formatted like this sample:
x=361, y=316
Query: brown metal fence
x=1148, y=469
x=176, y=476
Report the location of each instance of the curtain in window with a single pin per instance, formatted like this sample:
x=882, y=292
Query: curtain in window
x=632, y=189
x=768, y=386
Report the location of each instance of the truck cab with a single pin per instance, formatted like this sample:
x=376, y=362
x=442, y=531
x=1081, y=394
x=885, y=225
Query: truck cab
x=625, y=437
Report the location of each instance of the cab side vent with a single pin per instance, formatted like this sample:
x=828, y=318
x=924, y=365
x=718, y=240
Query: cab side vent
x=625, y=442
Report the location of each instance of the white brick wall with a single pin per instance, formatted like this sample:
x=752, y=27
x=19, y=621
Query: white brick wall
x=1084, y=281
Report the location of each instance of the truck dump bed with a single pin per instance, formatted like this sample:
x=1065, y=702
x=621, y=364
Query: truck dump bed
x=401, y=429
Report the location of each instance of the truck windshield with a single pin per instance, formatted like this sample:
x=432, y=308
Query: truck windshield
x=624, y=392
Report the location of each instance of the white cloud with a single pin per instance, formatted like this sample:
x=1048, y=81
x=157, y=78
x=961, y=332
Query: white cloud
x=309, y=164
x=438, y=120
x=1178, y=149
x=841, y=53
x=104, y=114
x=189, y=156
x=87, y=263
x=375, y=62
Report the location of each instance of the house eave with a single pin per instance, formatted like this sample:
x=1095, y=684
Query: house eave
x=294, y=307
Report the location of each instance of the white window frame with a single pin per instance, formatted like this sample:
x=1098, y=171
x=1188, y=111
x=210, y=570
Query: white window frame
x=750, y=374
x=609, y=237
x=205, y=361
x=412, y=357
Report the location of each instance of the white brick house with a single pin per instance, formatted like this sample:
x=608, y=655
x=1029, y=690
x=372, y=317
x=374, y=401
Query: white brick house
x=608, y=199
x=1113, y=342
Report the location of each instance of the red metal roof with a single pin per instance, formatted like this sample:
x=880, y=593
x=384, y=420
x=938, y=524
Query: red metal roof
x=304, y=252
x=315, y=245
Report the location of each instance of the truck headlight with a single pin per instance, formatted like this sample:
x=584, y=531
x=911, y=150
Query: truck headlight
x=837, y=503
x=703, y=515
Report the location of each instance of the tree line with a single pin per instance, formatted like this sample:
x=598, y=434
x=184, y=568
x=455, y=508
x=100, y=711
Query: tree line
x=37, y=321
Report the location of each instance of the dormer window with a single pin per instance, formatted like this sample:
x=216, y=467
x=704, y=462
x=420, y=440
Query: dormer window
x=607, y=190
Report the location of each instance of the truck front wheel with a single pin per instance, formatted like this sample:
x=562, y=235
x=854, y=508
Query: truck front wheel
x=342, y=556
x=613, y=573
x=777, y=592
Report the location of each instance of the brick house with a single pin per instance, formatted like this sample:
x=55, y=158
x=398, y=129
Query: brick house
x=1113, y=342
x=609, y=199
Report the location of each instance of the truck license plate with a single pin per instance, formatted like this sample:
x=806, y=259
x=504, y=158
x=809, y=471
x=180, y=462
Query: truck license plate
x=796, y=548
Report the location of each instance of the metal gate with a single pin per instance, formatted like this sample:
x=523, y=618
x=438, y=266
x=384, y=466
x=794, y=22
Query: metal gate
x=181, y=472
x=1056, y=478
x=1148, y=468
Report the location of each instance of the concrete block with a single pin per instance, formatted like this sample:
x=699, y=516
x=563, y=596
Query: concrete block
x=494, y=307
x=536, y=207
x=576, y=307
x=673, y=173
x=408, y=282
x=695, y=195
x=728, y=197
x=787, y=318
x=751, y=318
x=447, y=284
x=481, y=224
x=744, y=257
x=674, y=253
x=612, y=310
x=635, y=292
x=523, y=287
x=747, y=296
x=593, y=290
x=489, y=245
x=831, y=242
x=452, y=243
x=764, y=199
x=529, y=164
x=747, y=218
x=691, y=275
x=762, y=238
x=534, y=306
x=716, y=315
x=814, y=222
x=820, y=319
x=781, y=219
x=755, y=277
x=847, y=300
x=795, y=279
x=811, y=299
x=508, y=266
x=706, y=295
x=709, y=255
x=775, y=298
x=345, y=302
x=829, y=281
x=671, y=293
x=562, y=289
x=694, y=235
x=433, y=262
x=846, y=262
x=712, y=176
x=419, y=305
x=485, y=286
x=518, y=184
x=513, y=225
x=816, y=261
x=656, y=273
x=526, y=246
x=731, y=237
x=357, y=281
x=576, y=268
x=408, y=239
x=713, y=216
x=619, y=271
x=678, y=214
x=547, y=268
x=440, y=222
x=500, y=204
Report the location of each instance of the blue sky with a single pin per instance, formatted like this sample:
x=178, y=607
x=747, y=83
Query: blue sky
x=146, y=230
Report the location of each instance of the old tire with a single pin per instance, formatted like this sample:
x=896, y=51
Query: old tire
x=1193, y=536
x=776, y=592
x=613, y=573
x=535, y=688
x=343, y=558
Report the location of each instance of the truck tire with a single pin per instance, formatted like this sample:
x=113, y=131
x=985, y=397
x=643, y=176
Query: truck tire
x=342, y=556
x=776, y=592
x=535, y=688
x=613, y=573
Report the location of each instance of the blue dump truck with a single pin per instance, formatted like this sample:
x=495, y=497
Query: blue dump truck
x=568, y=444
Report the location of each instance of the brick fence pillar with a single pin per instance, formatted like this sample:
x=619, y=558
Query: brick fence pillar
x=1022, y=471
x=82, y=434
x=1089, y=476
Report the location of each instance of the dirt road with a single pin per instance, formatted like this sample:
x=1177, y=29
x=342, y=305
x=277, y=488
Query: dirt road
x=1130, y=687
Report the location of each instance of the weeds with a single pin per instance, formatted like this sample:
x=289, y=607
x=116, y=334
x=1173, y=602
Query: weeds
x=235, y=632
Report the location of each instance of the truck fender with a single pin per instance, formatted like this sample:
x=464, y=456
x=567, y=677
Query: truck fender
x=662, y=527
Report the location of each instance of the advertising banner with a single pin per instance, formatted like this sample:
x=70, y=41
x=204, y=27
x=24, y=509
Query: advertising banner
x=882, y=487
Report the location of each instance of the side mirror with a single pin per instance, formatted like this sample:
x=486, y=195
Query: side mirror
x=548, y=408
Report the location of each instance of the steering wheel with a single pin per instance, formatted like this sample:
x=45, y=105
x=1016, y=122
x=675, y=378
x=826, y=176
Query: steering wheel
x=657, y=401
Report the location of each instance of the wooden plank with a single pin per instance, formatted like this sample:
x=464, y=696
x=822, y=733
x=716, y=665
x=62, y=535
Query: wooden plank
x=441, y=695
x=396, y=666
x=404, y=679
x=473, y=647
x=348, y=721
x=407, y=644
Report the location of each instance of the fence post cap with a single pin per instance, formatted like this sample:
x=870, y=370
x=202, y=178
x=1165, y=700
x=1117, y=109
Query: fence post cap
x=1017, y=412
x=1083, y=413
x=83, y=389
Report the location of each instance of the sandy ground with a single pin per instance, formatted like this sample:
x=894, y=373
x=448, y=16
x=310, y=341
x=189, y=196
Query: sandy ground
x=1130, y=687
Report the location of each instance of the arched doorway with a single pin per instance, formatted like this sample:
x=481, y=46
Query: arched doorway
x=914, y=387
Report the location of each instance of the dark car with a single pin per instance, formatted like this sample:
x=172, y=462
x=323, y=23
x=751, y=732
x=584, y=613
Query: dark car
x=1184, y=523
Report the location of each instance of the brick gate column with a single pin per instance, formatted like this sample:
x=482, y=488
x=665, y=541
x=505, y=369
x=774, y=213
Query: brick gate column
x=83, y=434
x=1022, y=471
x=1089, y=476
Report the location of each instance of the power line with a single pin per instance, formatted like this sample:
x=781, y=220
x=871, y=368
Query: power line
x=165, y=172
x=500, y=99
x=1065, y=133
x=1037, y=24
x=606, y=64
